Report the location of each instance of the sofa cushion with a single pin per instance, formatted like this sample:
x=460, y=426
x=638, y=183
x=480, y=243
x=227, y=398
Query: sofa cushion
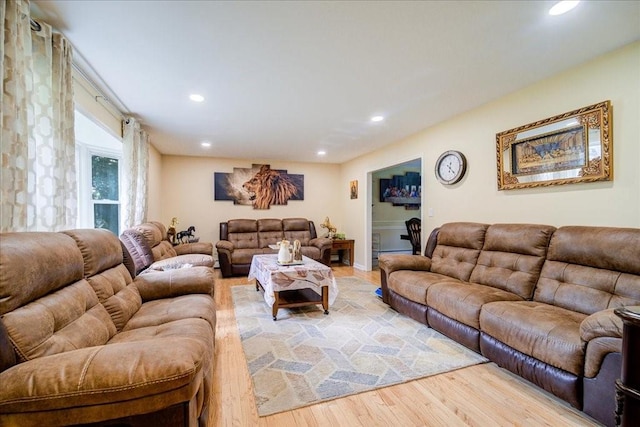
x=512, y=257
x=117, y=294
x=297, y=229
x=173, y=283
x=100, y=249
x=167, y=370
x=243, y=233
x=152, y=233
x=163, y=250
x=29, y=269
x=158, y=312
x=47, y=306
x=269, y=232
x=458, y=247
x=413, y=285
x=62, y=321
x=243, y=256
x=589, y=269
x=547, y=333
x=463, y=301
x=180, y=261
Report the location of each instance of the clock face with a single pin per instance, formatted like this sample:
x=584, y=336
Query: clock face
x=450, y=167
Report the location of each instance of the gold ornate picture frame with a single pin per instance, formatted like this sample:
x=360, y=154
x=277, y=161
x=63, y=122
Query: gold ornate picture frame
x=569, y=148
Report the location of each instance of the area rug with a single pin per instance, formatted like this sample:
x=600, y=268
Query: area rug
x=306, y=357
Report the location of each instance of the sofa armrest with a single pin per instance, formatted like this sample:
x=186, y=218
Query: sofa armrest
x=394, y=262
x=171, y=283
x=602, y=323
x=205, y=248
x=321, y=243
x=225, y=245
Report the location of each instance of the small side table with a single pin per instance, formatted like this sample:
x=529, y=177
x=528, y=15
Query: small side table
x=628, y=386
x=340, y=245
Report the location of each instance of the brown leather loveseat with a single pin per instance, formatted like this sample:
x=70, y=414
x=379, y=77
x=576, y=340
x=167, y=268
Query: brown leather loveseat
x=534, y=299
x=83, y=343
x=146, y=248
x=241, y=239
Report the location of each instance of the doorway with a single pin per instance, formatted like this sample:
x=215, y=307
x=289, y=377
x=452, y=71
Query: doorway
x=396, y=196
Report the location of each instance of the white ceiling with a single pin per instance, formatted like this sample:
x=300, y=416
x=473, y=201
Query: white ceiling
x=283, y=80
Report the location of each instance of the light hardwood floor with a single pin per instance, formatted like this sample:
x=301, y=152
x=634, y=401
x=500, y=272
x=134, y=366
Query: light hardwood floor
x=481, y=395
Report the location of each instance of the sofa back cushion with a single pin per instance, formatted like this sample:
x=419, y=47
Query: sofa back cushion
x=46, y=305
x=107, y=275
x=589, y=269
x=297, y=229
x=512, y=257
x=243, y=233
x=163, y=250
x=269, y=232
x=459, y=244
x=34, y=264
x=151, y=233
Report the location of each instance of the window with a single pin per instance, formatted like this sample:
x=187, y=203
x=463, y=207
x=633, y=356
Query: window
x=105, y=194
x=99, y=162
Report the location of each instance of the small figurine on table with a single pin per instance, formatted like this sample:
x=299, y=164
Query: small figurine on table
x=330, y=228
x=171, y=231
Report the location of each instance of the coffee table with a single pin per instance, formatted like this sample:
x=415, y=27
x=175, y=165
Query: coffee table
x=293, y=285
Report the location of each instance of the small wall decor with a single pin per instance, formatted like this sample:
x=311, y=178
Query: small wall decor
x=450, y=167
x=259, y=186
x=569, y=148
x=353, y=185
x=402, y=190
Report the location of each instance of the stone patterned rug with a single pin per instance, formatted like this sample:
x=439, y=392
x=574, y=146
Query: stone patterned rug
x=306, y=357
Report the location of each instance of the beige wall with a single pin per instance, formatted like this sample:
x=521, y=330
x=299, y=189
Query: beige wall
x=476, y=198
x=187, y=193
x=186, y=183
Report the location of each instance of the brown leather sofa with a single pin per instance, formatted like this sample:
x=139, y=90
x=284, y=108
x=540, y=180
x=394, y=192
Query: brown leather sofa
x=534, y=299
x=83, y=343
x=241, y=239
x=146, y=248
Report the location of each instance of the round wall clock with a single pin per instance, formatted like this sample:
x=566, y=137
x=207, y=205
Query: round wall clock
x=450, y=167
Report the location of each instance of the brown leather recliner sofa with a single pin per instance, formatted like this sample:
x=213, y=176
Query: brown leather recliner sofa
x=83, y=343
x=534, y=299
x=146, y=248
x=241, y=239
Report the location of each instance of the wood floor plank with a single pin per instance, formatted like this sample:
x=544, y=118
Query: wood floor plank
x=479, y=395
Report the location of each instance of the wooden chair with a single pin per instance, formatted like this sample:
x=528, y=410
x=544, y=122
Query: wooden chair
x=414, y=229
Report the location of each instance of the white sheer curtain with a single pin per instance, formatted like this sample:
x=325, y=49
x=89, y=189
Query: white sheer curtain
x=38, y=188
x=135, y=147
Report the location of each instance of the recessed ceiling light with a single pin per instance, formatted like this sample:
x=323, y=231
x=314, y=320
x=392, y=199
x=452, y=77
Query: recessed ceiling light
x=205, y=144
x=322, y=153
x=196, y=98
x=563, y=7
x=377, y=119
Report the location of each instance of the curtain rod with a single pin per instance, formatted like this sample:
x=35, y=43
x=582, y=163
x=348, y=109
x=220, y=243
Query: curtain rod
x=95, y=87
